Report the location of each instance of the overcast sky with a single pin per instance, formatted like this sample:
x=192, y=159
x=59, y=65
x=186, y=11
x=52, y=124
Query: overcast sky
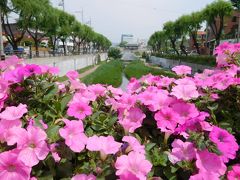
x=138, y=17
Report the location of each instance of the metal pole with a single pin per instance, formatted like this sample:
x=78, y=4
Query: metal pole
x=2, y=55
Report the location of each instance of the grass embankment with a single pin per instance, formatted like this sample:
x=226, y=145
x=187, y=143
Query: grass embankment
x=138, y=69
x=108, y=73
x=197, y=59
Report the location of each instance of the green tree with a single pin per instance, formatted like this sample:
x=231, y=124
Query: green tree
x=156, y=41
x=17, y=7
x=172, y=33
x=214, y=14
x=236, y=4
x=114, y=53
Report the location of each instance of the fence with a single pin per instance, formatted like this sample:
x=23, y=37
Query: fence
x=67, y=63
x=169, y=64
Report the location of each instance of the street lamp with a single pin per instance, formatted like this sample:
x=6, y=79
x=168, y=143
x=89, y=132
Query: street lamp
x=2, y=55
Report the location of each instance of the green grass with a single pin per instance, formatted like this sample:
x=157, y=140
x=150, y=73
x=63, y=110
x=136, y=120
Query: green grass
x=108, y=73
x=197, y=59
x=138, y=69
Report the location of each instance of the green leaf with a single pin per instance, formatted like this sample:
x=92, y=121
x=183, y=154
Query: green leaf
x=53, y=134
x=65, y=101
x=112, y=121
x=149, y=146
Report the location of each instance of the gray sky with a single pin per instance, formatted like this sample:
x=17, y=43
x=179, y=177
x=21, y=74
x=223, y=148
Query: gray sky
x=138, y=17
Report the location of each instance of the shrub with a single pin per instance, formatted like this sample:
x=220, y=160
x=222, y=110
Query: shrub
x=114, y=53
x=204, y=60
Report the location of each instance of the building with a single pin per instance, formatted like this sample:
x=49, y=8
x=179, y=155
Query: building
x=127, y=38
x=230, y=31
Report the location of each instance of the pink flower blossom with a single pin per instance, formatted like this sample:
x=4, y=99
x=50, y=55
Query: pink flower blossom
x=54, y=152
x=106, y=145
x=205, y=176
x=30, y=69
x=226, y=143
x=131, y=119
x=97, y=89
x=234, y=174
x=74, y=136
x=79, y=110
x=13, y=112
x=185, y=89
x=132, y=166
x=32, y=146
x=83, y=177
x=133, y=144
x=11, y=168
x=72, y=75
x=182, y=151
x=185, y=110
x=182, y=70
x=210, y=163
x=167, y=120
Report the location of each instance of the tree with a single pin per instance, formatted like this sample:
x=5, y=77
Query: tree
x=17, y=7
x=114, y=53
x=172, y=33
x=214, y=14
x=236, y=4
x=156, y=41
x=40, y=18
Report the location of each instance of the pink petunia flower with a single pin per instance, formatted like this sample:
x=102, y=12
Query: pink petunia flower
x=55, y=154
x=133, y=144
x=226, y=143
x=132, y=166
x=182, y=70
x=234, y=174
x=30, y=69
x=182, y=151
x=83, y=177
x=210, y=163
x=167, y=120
x=32, y=146
x=185, y=92
x=131, y=119
x=106, y=145
x=11, y=168
x=79, y=110
x=97, y=89
x=205, y=176
x=72, y=75
x=13, y=112
x=74, y=136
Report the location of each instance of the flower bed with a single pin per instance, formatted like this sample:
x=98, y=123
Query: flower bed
x=182, y=128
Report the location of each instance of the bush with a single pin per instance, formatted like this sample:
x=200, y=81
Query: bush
x=108, y=73
x=137, y=69
x=161, y=128
x=114, y=53
x=204, y=60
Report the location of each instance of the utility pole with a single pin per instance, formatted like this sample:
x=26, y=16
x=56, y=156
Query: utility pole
x=2, y=56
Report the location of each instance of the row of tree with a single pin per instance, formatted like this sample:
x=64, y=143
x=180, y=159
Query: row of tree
x=39, y=19
x=188, y=26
